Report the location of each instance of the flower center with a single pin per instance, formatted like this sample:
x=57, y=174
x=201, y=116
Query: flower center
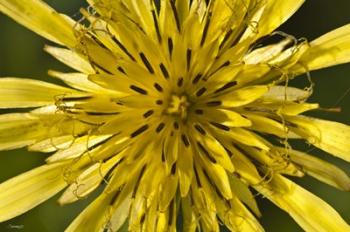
x=178, y=106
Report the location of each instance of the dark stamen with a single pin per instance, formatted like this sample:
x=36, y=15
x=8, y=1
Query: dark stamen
x=200, y=129
x=76, y=98
x=123, y=48
x=156, y=26
x=180, y=82
x=101, y=113
x=226, y=86
x=138, y=89
x=220, y=126
x=206, y=153
x=100, y=67
x=139, y=131
x=160, y=127
x=206, y=28
x=199, y=111
x=197, y=78
x=197, y=178
x=120, y=69
x=170, y=46
x=164, y=71
x=148, y=113
x=158, y=87
x=146, y=63
x=214, y=103
x=159, y=102
x=176, y=16
x=188, y=58
x=138, y=181
x=173, y=169
x=201, y=91
x=185, y=140
x=227, y=36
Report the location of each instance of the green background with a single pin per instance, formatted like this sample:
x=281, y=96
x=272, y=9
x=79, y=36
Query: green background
x=22, y=55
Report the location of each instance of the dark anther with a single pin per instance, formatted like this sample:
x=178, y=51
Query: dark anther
x=180, y=82
x=226, y=86
x=156, y=26
x=146, y=63
x=123, y=48
x=220, y=126
x=214, y=103
x=199, y=111
x=201, y=91
x=185, y=140
x=200, y=129
x=173, y=169
x=176, y=16
x=148, y=113
x=206, y=28
x=138, y=89
x=164, y=71
x=159, y=102
x=120, y=69
x=170, y=46
x=160, y=127
x=206, y=153
x=188, y=58
x=197, y=78
x=158, y=87
x=139, y=131
x=176, y=125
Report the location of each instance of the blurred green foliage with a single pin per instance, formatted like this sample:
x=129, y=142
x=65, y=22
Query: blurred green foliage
x=22, y=55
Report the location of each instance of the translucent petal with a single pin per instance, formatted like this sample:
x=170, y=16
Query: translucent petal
x=94, y=217
x=24, y=192
x=22, y=93
x=330, y=49
x=71, y=59
x=309, y=211
x=332, y=137
x=320, y=169
x=281, y=11
x=42, y=19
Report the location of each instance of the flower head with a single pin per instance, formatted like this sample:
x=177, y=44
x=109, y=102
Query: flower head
x=175, y=108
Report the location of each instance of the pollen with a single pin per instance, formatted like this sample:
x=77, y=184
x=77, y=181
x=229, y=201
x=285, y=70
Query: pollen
x=178, y=105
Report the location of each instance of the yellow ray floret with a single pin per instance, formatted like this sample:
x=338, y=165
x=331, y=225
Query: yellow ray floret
x=175, y=109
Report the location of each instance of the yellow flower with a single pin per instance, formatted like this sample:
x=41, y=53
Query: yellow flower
x=177, y=108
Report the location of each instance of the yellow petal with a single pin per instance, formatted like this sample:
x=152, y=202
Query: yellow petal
x=330, y=49
x=286, y=93
x=332, y=137
x=320, y=169
x=22, y=93
x=189, y=218
x=244, y=194
x=241, y=96
x=185, y=168
x=71, y=59
x=94, y=217
x=79, y=81
x=24, y=192
x=309, y=211
x=87, y=181
x=18, y=130
x=78, y=147
x=117, y=221
x=41, y=18
x=217, y=176
x=274, y=13
x=240, y=218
